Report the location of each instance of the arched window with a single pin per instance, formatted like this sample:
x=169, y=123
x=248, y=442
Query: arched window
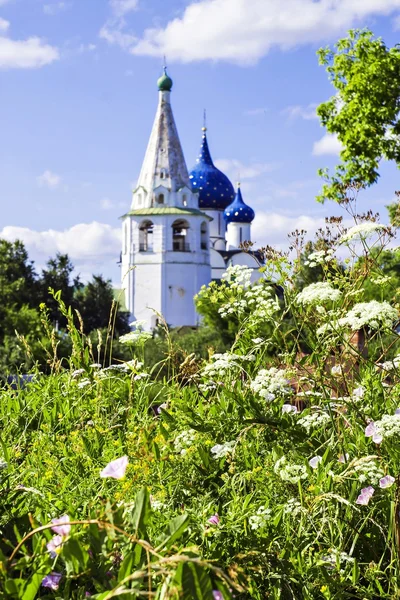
x=180, y=236
x=139, y=199
x=184, y=200
x=219, y=223
x=160, y=199
x=146, y=237
x=203, y=236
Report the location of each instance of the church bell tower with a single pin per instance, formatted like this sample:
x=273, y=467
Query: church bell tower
x=166, y=238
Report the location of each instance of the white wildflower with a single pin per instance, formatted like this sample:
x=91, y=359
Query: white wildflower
x=270, y=383
x=361, y=232
x=319, y=257
x=292, y=507
x=220, y=450
x=290, y=472
x=184, y=440
x=77, y=373
x=260, y=519
x=317, y=293
x=84, y=383
x=314, y=421
x=372, y=314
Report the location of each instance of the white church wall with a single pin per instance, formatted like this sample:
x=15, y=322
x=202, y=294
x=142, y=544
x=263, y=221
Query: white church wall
x=236, y=234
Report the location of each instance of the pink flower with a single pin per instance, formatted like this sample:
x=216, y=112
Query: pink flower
x=343, y=458
x=217, y=595
x=386, y=481
x=52, y=580
x=54, y=545
x=314, y=462
x=62, y=526
x=371, y=431
x=365, y=496
x=214, y=520
x=116, y=468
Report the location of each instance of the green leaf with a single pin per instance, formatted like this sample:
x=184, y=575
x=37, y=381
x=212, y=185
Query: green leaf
x=176, y=527
x=31, y=587
x=196, y=582
x=141, y=512
x=75, y=557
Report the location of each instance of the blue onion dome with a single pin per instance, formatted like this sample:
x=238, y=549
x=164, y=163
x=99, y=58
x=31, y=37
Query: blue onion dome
x=215, y=190
x=238, y=211
x=165, y=82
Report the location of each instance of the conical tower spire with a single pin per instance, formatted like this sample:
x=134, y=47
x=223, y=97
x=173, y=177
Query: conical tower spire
x=164, y=163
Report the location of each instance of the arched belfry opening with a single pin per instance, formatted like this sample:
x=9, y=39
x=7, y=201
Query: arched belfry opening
x=146, y=230
x=180, y=238
x=203, y=236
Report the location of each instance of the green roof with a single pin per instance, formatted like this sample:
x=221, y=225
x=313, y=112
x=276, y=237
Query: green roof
x=166, y=210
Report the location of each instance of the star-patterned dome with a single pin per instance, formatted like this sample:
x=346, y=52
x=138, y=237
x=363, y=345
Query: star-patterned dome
x=238, y=211
x=215, y=190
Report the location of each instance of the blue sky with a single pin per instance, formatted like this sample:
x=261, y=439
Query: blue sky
x=78, y=98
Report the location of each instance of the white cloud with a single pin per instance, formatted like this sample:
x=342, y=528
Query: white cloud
x=26, y=54
x=4, y=25
x=92, y=247
x=235, y=169
x=122, y=7
x=112, y=32
x=328, y=144
x=3, y=2
x=49, y=179
x=296, y=111
x=243, y=31
x=273, y=228
x=55, y=8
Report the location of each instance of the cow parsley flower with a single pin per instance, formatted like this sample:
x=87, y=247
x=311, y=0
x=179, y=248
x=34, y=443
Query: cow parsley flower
x=361, y=232
x=289, y=471
x=260, y=519
x=226, y=363
x=270, y=383
x=319, y=257
x=367, y=471
x=318, y=293
x=314, y=421
x=84, y=383
x=372, y=314
x=184, y=440
x=220, y=450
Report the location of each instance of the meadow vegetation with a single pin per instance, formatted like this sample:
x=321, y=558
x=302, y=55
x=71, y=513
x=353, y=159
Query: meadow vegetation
x=257, y=457
x=270, y=470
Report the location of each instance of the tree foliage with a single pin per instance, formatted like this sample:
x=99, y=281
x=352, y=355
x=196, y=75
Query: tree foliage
x=364, y=112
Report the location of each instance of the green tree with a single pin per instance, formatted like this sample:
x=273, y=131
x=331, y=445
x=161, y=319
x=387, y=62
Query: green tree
x=364, y=112
x=58, y=276
x=95, y=301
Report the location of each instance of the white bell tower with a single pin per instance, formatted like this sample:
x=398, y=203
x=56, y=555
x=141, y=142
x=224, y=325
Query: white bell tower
x=165, y=247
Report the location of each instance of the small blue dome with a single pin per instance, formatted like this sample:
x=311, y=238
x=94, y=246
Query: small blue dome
x=215, y=190
x=238, y=211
